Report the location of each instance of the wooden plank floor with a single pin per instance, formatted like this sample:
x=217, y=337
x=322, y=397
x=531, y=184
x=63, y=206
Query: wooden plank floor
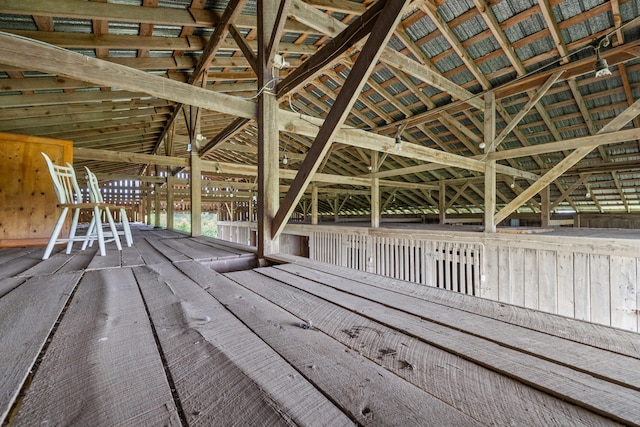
x=152, y=335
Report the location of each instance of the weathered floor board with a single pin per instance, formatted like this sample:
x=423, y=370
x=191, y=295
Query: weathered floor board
x=367, y=392
x=196, y=251
x=461, y=383
x=150, y=335
x=18, y=265
x=56, y=262
x=593, y=361
x=615, y=340
x=10, y=283
x=226, y=246
x=102, y=366
x=27, y=316
x=169, y=252
x=222, y=371
x=150, y=255
x=112, y=259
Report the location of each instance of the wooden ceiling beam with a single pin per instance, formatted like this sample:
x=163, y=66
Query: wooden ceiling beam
x=128, y=13
x=578, y=154
x=330, y=52
x=33, y=55
x=568, y=144
x=127, y=42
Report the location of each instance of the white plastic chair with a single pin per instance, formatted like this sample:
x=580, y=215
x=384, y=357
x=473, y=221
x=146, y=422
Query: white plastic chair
x=95, y=195
x=70, y=197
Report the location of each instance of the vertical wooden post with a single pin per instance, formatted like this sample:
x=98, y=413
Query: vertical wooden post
x=196, y=193
x=305, y=206
x=268, y=136
x=251, y=209
x=375, y=192
x=545, y=214
x=149, y=197
x=442, y=203
x=170, y=201
x=314, y=204
x=156, y=203
x=336, y=209
x=490, y=166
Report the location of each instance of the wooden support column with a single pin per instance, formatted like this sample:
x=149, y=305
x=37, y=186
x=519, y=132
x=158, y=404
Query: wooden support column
x=375, y=191
x=251, y=209
x=156, y=203
x=196, y=193
x=336, y=209
x=314, y=204
x=545, y=208
x=232, y=211
x=490, y=168
x=148, y=197
x=268, y=135
x=170, y=202
x=442, y=203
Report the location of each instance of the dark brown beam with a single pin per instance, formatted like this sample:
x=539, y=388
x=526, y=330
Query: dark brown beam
x=336, y=47
x=382, y=20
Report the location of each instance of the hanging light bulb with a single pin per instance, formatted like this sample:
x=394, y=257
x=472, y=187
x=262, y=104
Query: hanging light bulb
x=601, y=66
x=285, y=159
x=398, y=143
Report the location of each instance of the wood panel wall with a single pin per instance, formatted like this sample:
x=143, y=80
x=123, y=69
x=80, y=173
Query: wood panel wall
x=28, y=203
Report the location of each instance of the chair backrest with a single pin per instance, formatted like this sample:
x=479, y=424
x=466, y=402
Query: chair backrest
x=94, y=187
x=64, y=182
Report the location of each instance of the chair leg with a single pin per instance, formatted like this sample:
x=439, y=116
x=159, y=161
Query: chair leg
x=55, y=233
x=89, y=238
x=125, y=225
x=72, y=232
x=96, y=216
x=114, y=230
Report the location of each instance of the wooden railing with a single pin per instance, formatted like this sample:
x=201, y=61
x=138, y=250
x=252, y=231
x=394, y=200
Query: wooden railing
x=596, y=279
x=444, y=264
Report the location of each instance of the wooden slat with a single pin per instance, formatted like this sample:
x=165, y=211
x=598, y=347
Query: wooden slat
x=10, y=283
x=149, y=254
x=172, y=254
x=50, y=265
x=111, y=259
x=208, y=250
x=583, y=376
x=25, y=324
x=238, y=249
x=113, y=374
x=130, y=256
x=80, y=261
x=365, y=391
x=23, y=263
x=486, y=395
x=243, y=381
x=181, y=246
